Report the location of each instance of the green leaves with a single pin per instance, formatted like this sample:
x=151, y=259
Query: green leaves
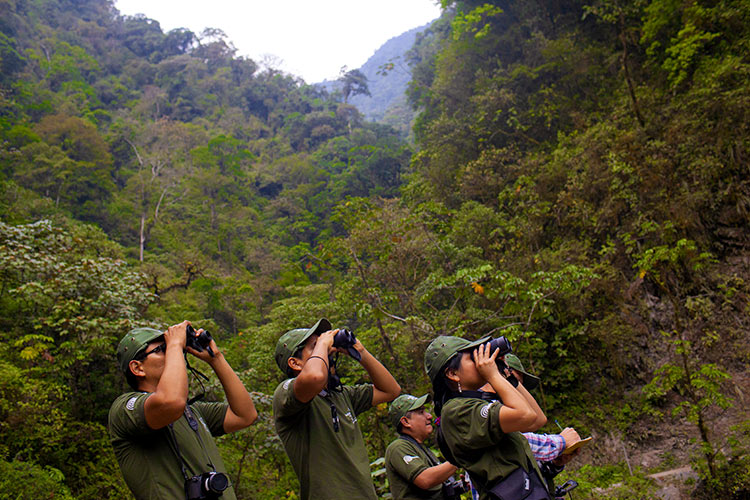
x=702, y=389
x=683, y=52
x=474, y=22
x=662, y=260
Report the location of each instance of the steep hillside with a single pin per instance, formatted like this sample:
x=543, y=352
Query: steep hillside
x=388, y=75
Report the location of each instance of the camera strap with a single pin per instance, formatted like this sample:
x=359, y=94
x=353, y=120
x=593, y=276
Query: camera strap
x=484, y=396
x=334, y=381
x=193, y=423
x=176, y=450
x=430, y=456
x=325, y=394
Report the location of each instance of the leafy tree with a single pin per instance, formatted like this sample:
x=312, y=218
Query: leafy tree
x=143, y=36
x=66, y=299
x=72, y=165
x=161, y=152
x=10, y=60
x=353, y=82
x=689, y=371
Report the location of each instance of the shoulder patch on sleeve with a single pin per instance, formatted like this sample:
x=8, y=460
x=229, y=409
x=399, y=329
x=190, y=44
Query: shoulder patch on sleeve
x=130, y=405
x=409, y=458
x=485, y=411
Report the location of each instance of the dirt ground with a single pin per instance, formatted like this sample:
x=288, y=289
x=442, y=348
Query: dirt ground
x=663, y=447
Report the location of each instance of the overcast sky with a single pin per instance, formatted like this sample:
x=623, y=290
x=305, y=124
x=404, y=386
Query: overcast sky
x=312, y=38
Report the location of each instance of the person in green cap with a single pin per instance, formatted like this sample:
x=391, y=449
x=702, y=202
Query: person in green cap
x=413, y=471
x=316, y=418
x=480, y=434
x=547, y=448
x=161, y=442
x=529, y=381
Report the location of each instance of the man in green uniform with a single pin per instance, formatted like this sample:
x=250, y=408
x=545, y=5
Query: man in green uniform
x=159, y=440
x=317, y=426
x=413, y=470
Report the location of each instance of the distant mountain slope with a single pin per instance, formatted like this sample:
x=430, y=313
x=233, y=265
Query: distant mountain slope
x=387, y=104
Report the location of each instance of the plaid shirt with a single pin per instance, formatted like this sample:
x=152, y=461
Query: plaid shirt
x=545, y=447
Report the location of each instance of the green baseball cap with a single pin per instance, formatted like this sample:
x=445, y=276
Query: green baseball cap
x=404, y=404
x=288, y=343
x=529, y=380
x=443, y=348
x=134, y=342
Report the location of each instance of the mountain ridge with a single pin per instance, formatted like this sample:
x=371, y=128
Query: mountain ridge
x=387, y=102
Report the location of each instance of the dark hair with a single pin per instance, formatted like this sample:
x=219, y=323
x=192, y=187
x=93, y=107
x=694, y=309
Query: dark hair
x=291, y=373
x=400, y=426
x=441, y=386
x=130, y=377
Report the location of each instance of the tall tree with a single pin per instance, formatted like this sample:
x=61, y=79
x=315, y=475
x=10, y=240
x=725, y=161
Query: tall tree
x=353, y=82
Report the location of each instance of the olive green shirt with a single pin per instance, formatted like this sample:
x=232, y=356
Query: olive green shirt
x=330, y=465
x=147, y=459
x=472, y=432
x=404, y=461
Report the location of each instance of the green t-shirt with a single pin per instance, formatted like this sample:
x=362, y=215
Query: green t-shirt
x=472, y=432
x=404, y=461
x=147, y=460
x=330, y=465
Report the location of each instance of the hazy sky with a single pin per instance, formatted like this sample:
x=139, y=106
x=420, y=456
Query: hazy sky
x=313, y=38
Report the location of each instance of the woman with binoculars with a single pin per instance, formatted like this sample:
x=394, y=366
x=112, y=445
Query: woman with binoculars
x=478, y=432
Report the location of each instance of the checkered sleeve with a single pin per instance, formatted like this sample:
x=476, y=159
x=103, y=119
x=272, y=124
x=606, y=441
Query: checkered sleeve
x=545, y=447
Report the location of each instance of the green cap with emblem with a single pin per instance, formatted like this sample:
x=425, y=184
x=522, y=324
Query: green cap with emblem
x=134, y=342
x=443, y=348
x=293, y=339
x=404, y=404
x=529, y=380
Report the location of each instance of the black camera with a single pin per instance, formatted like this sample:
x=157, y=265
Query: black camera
x=453, y=488
x=200, y=341
x=345, y=339
x=207, y=485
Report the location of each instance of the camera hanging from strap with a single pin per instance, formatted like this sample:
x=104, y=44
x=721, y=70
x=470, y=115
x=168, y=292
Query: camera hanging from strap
x=193, y=423
x=202, y=485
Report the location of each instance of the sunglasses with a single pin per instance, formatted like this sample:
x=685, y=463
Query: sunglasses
x=157, y=349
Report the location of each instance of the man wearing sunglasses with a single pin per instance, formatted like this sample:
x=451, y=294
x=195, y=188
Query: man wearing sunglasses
x=161, y=442
x=317, y=418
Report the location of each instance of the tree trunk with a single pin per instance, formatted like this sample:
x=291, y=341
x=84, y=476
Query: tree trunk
x=142, y=238
x=628, y=79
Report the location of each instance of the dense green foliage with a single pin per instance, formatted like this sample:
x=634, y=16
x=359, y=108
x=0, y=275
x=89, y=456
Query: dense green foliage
x=580, y=185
